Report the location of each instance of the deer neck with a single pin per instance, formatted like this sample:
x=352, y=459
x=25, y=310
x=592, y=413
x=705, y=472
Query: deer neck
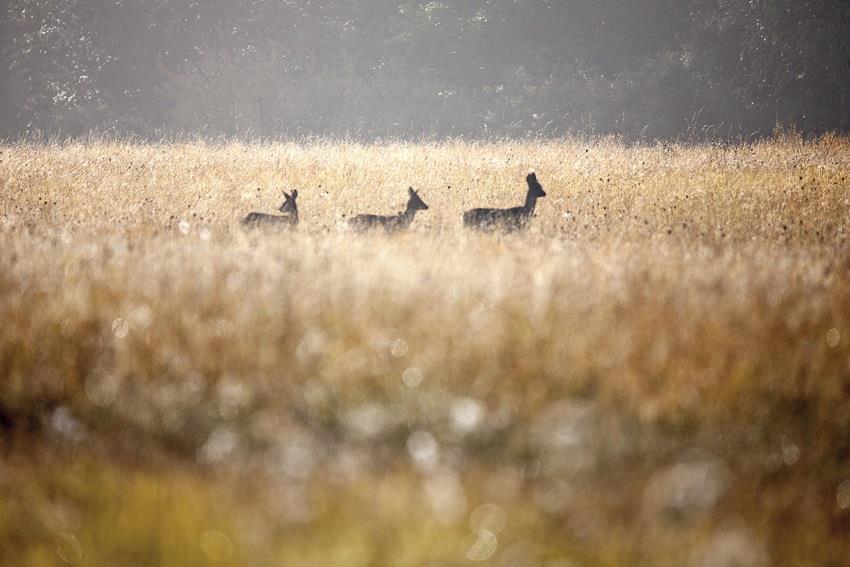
x=530, y=202
x=408, y=214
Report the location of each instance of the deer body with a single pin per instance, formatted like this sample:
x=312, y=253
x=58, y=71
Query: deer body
x=288, y=219
x=391, y=223
x=515, y=218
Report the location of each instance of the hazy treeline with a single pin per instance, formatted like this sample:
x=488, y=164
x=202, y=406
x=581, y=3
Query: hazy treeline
x=645, y=69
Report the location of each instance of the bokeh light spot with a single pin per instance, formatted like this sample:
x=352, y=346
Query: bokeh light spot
x=68, y=548
x=120, y=327
x=101, y=388
x=484, y=547
x=423, y=448
x=399, y=348
x=833, y=337
x=489, y=518
x=842, y=497
x=411, y=377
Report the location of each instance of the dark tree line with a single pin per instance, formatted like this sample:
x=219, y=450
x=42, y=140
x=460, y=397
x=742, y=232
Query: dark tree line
x=644, y=69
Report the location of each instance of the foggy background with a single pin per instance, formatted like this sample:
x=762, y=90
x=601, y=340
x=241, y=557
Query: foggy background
x=644, y=69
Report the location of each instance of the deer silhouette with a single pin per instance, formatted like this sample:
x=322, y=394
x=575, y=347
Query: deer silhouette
x=289, y=218
x=391, y=223
x=508, y=220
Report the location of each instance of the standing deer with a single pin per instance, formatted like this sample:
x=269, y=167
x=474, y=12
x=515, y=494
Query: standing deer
x=509, y=220
x=391, y=223
x=289, y=218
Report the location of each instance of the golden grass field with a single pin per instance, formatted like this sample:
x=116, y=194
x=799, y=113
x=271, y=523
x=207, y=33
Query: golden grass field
x=656, y=373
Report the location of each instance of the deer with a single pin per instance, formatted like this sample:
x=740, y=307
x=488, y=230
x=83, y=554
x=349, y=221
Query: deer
x=288, y=219
x=391, y=223
x=509, y=220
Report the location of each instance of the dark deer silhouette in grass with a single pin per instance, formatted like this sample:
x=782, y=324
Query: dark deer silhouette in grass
x=508, y=220
x=390, y=223
x=288, y=219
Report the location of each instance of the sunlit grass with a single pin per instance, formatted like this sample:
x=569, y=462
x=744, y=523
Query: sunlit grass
x=657, y=372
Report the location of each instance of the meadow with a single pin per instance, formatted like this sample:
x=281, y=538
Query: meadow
x=656, y=373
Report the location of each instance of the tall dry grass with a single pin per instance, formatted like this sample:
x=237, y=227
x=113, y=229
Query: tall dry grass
x=656, y=373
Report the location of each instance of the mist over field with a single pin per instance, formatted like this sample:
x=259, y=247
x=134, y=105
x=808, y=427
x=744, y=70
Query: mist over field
x=510, y=283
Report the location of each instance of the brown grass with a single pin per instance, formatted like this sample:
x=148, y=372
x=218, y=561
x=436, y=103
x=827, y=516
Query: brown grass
x=657, y=373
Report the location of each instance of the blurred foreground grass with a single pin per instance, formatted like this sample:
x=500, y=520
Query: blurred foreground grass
x=657, y=373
